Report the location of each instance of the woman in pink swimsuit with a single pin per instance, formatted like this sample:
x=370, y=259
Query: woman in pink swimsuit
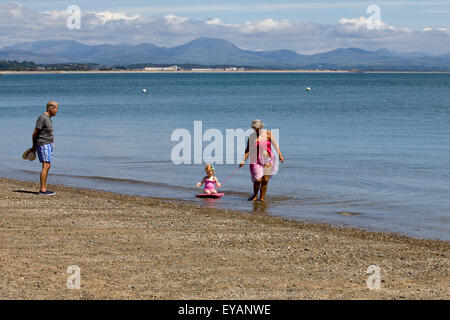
x=263, y=164
x=209, y=180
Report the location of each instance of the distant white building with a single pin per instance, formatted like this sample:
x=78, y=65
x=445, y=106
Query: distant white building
x=202, y=69
x=171, y=68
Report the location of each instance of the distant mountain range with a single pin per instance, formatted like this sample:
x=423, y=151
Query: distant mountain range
x=214, y=52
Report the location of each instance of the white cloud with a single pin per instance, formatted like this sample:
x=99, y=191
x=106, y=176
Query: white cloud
x=106, y=16
x=213, y=21
x=55, y=15
x=266, y=25
x=444, y=30
x=173, y=19
x=218, y=22
x=364, y=23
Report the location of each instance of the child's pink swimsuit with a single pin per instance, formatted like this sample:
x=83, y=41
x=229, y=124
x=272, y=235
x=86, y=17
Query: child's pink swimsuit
x=210, y=185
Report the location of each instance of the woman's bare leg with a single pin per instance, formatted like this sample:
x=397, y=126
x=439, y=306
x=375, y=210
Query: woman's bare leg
x=264, y=184
x=256, y=186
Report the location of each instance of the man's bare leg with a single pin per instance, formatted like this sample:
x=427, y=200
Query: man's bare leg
x=44, y=175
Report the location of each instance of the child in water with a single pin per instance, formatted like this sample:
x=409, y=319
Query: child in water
x=209, y=180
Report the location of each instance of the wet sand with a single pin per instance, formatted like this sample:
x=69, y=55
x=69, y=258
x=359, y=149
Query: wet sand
x=131, y=247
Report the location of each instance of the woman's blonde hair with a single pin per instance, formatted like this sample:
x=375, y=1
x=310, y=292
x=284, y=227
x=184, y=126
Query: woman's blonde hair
x=257, y=124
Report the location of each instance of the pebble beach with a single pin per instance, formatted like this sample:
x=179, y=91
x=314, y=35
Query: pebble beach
x=131, y=247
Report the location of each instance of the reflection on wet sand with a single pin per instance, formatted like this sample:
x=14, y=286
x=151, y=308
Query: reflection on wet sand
x=211, y=202
x=260, y=208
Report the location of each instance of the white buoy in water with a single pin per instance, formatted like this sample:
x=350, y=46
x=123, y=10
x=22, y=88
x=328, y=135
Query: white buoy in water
x=308, y=89
x=144, y=90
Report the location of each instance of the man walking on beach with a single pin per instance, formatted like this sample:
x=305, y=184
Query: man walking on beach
x=43, y=143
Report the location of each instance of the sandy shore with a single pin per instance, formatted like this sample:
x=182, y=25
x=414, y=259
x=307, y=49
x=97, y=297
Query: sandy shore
x=132, y=247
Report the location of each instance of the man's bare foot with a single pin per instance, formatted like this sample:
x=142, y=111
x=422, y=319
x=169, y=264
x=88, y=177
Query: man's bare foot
x=262, y=200
x=252, y=198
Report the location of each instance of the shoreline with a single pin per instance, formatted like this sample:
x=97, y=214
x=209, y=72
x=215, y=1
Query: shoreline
x=132, y=247
x=217, y=71
x=241, y=211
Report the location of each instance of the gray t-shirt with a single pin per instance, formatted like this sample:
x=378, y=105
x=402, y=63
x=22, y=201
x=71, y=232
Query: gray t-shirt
x=45, y=125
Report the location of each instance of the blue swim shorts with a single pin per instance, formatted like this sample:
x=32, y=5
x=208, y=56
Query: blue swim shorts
x=45, y=152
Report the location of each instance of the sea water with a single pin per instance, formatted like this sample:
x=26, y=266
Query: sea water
x=362, y=150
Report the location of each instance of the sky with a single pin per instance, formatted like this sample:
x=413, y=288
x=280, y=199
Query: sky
x=302, y=26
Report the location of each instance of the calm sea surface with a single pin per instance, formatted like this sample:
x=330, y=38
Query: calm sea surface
x=376, y=146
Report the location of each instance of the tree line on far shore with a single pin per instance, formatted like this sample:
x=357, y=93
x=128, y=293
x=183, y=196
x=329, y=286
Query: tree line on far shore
x=6, y=65
x=17, y=66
